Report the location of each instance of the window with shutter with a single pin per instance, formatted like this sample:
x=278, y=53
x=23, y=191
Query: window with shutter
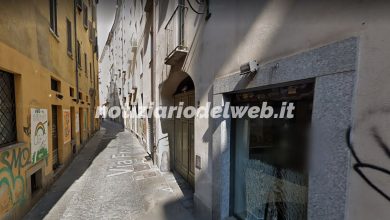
x=69, y=36
x=53, y=16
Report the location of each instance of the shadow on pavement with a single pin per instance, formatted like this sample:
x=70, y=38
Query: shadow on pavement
x=183, y=206
x=75, y=170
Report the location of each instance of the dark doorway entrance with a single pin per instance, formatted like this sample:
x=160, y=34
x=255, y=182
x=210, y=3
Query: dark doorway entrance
x=73, y=127
x=54, y=134
x=81, y=119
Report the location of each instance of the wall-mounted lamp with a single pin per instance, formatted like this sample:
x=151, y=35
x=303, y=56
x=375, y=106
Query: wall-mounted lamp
x=250, y=67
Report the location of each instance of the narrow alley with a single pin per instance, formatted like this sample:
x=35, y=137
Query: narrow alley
x=112, y=178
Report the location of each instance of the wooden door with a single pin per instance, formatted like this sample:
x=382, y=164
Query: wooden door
x=184, y=140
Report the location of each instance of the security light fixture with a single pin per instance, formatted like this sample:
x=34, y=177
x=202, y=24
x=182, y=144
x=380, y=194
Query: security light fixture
x=250, y=67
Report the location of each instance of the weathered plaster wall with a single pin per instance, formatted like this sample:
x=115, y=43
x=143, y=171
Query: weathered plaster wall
x=240, y=31
x=30, y=52
x=268, y=30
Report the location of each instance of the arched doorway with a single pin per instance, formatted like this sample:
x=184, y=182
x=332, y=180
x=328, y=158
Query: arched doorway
x=184, y=154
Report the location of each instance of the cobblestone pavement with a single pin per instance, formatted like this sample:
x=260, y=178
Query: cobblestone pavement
x=111, y=179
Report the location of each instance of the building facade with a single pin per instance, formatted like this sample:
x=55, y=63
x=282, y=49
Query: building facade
x=126, y=67
x=48, y=84
x=328, y=57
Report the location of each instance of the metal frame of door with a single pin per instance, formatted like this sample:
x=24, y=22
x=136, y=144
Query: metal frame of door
x=184, y=152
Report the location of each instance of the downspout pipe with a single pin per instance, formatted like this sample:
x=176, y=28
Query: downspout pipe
x=76, y=52
x=152, y=91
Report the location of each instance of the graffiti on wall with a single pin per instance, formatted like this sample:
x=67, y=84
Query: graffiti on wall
x=12, y=181
x=39, y=135
x=363, y=166
x=67, y=126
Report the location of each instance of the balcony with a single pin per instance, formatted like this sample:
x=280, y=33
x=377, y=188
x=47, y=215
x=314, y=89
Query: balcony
x=175, y=40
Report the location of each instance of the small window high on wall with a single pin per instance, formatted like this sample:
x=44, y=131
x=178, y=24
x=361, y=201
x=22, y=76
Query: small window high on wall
x=69, y=36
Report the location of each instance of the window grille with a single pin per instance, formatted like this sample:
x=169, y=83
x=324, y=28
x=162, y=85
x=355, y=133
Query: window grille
x=7, y=109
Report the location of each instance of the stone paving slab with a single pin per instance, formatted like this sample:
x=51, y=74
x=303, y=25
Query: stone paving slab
x=119, y=183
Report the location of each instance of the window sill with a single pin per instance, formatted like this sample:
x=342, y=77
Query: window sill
x=11, y=146
x=56, y=36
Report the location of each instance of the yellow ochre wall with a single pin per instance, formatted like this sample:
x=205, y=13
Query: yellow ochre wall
x=34, y=55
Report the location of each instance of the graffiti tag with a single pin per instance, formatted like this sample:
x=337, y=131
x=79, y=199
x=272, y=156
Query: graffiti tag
x=360, y=165
x=12, y=183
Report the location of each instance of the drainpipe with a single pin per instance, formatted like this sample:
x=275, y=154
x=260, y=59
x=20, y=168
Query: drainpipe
x=75, y=43
x=208, y=14
x=153, y=70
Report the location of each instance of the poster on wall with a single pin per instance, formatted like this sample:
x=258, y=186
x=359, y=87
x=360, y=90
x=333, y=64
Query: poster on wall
x=77, y=122
x=39, y=135
x=67, y=126
x=85, y=120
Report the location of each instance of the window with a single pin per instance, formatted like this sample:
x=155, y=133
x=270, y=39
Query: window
x=78, y=54
x=79, y=4
x=85, y=15
x=36, y=182
x=71, y=92
x=53, y=16
x=91, y=32
x=90, y=71
x=130, y=100
x=69, y=36
x=86, y=65
x=270, y=155
x=93, y=13
x=55, y=85
x=80, y=96
x=7, y=109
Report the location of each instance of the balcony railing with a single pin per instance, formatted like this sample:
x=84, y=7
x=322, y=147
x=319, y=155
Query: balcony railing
x=175, y=39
